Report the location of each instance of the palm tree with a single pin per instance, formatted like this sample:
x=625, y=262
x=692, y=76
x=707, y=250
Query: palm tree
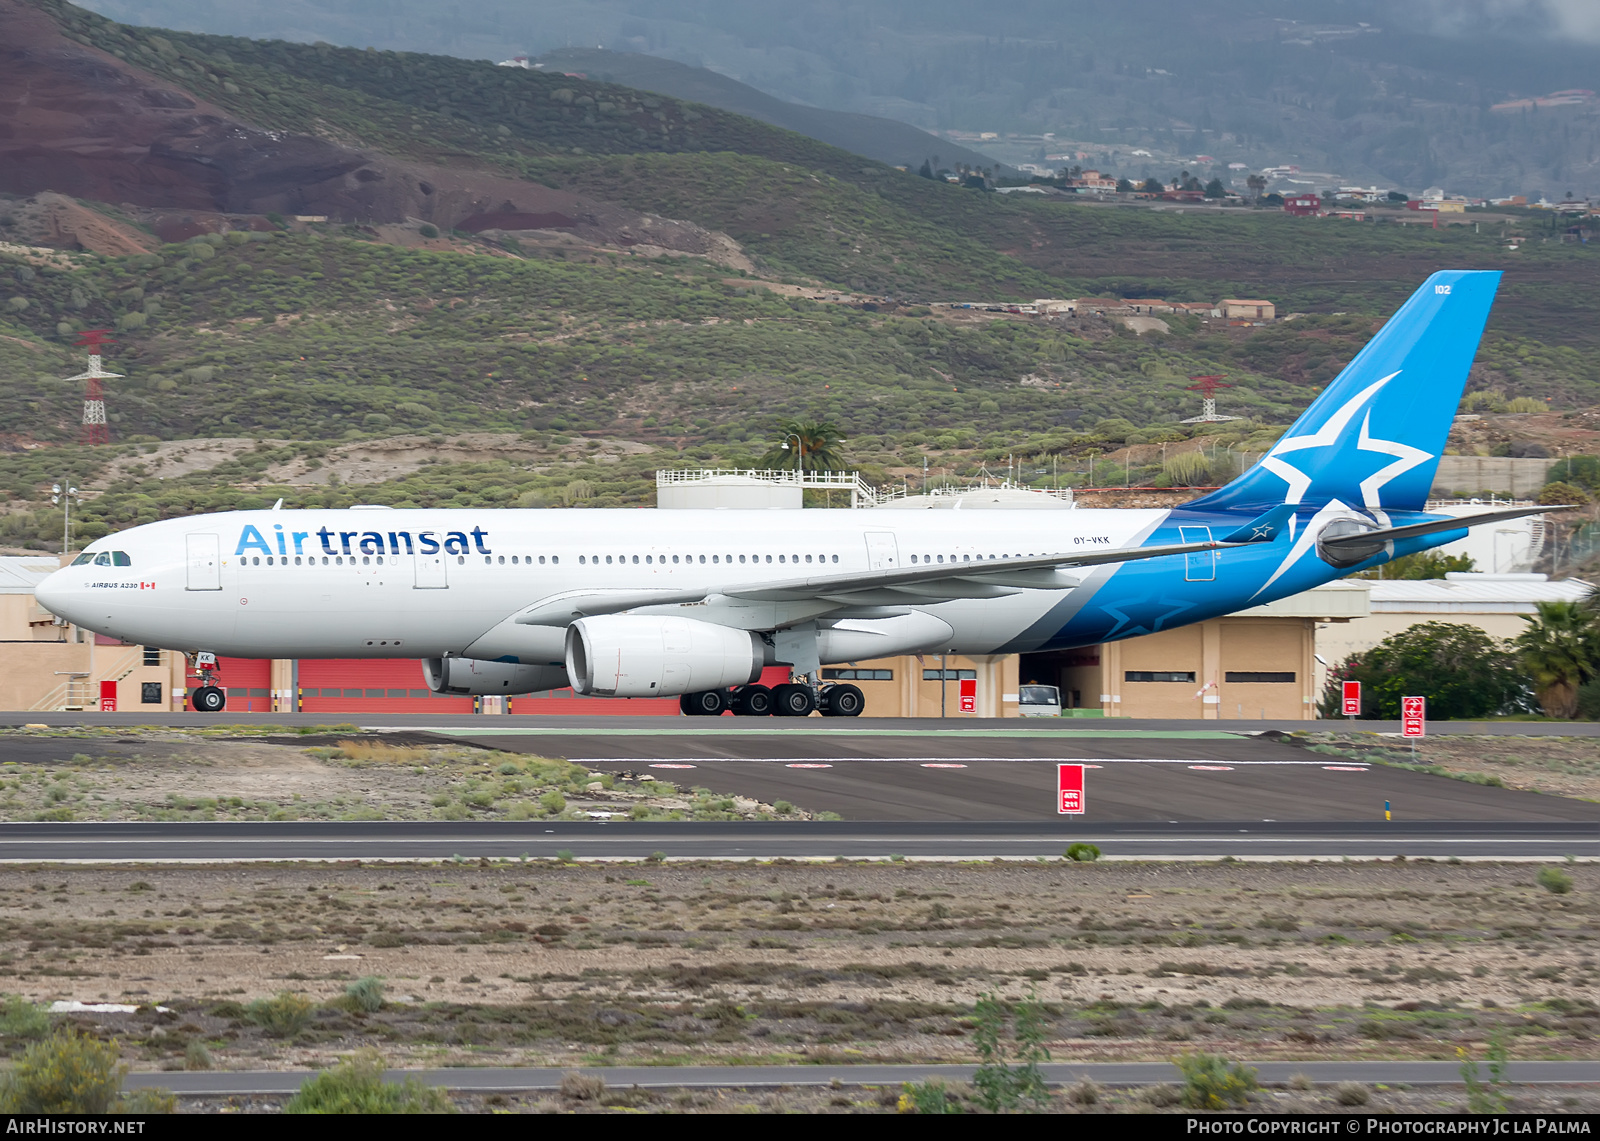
x=807, y=445
x=1560, y=650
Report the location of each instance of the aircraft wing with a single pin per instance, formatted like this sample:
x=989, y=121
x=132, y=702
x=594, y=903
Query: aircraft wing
x=914, y=585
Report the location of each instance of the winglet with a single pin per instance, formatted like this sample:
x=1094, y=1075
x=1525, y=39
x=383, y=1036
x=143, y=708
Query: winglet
x=1263, y=528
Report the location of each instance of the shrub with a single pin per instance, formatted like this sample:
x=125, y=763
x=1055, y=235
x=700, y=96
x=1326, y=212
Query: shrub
x=577, y=1086
x=553, y=802
x=356, y=1085
x=68, y=1072
x=284, y=1015
x=1555, y=881
x=930, y=1096
x=1210, y=1081
x=428, y=230
x=1083, y=853
x=365, y=994
x=1352, y=1093
x=20, y=1018
x=196, y=1056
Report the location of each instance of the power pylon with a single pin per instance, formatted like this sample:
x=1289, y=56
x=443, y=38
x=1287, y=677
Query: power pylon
x=1207, y=387
x=94, y=429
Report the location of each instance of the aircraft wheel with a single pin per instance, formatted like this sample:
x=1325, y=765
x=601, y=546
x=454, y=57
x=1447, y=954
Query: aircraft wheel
x=791, y=700
x=842, y=701
x=706, y=703
x=751, y=701
x=209, y=699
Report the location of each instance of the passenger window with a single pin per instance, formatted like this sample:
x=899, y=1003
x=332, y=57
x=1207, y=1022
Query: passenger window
x=635, y=560
x=835, y=558
x=780, y=558
x=808, y=558
x=120, y=559
x=702, y=558
x=541, y=560
x=554, y=558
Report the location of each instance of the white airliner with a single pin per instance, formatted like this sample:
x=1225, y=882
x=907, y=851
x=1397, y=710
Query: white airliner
x=696, y=603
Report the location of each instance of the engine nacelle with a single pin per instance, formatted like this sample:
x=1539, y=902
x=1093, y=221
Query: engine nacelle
x=641, y=655
x=476, y=677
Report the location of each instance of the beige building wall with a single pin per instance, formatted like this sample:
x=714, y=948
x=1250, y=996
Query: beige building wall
x=909, y=694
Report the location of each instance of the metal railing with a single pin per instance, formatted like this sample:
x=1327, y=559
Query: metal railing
x=862, y=493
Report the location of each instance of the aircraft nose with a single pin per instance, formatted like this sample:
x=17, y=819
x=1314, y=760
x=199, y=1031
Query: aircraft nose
x=55, y=594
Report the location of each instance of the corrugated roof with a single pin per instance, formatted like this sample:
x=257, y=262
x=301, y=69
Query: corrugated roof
x=19, y=574
x=1481, y=593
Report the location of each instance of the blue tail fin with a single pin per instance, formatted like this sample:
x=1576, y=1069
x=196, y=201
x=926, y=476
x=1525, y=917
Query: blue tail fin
x=1373, y=438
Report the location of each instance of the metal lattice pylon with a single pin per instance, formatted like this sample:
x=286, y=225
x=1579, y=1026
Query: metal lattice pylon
x=1207, y=387
x=95, y=430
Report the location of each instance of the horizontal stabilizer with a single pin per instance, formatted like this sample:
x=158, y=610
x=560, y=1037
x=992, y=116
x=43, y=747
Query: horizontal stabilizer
x=1357, y=540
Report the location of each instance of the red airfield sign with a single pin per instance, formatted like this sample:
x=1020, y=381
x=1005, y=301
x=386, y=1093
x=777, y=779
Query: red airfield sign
x=1413, y=716
x=1352, y=698
x=1069, y=790
x=969, y=695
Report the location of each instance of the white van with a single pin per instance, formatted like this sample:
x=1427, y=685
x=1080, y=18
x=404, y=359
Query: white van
x=1039, y=701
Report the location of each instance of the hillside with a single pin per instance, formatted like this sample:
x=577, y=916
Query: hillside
x=887, y=140
x=1374, y=92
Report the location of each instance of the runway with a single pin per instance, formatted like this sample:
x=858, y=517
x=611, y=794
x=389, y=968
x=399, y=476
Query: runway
x=496, y=1080
x=770, y=840
x=963, y=771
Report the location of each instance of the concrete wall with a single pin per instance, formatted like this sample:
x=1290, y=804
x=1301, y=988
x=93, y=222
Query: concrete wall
x=1472, y=474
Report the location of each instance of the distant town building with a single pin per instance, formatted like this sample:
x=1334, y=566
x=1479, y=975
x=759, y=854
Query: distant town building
x=1303, y=205
x=1248, y=310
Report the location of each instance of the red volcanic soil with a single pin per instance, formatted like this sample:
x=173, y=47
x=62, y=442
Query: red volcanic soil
x=84, y=123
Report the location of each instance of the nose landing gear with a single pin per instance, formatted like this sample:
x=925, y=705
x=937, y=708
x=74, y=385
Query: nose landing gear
x=209, y=696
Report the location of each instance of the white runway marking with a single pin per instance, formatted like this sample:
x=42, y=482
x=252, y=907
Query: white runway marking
x=928, y=762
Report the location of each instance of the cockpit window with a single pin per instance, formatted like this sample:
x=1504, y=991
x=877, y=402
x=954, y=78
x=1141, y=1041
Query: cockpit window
x=83, y=559
x=120, y=559
x=103, y=559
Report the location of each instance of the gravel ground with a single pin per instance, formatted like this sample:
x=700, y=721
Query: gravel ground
x=548, y=964
x=1558, y=766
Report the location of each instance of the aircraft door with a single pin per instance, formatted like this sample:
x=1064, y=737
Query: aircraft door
x=432, y=573
x=1198, y=566
x=882, y=553
x=205, y=563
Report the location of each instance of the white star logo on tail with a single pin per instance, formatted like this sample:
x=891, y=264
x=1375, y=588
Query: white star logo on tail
x=1330, y=436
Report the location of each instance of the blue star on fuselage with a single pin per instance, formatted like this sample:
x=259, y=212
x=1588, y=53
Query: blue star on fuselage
x=1144, y=615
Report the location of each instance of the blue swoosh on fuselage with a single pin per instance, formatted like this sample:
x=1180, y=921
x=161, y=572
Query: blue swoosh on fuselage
x=1159, y=594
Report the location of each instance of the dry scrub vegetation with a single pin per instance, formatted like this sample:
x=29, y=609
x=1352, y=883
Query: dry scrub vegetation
x=172, y=775
x=549, y=964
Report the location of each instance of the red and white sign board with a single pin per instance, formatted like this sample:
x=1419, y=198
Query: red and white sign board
x=969, y=695
x=1413, y=716
x=1069, y=788
x=1352, y=698
x=108, y=696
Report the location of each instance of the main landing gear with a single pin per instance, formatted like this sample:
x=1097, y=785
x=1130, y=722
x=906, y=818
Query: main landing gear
x=209, y=696
x=788, y=700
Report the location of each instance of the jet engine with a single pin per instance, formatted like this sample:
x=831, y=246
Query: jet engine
x=641, y=655
x=476, y=677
